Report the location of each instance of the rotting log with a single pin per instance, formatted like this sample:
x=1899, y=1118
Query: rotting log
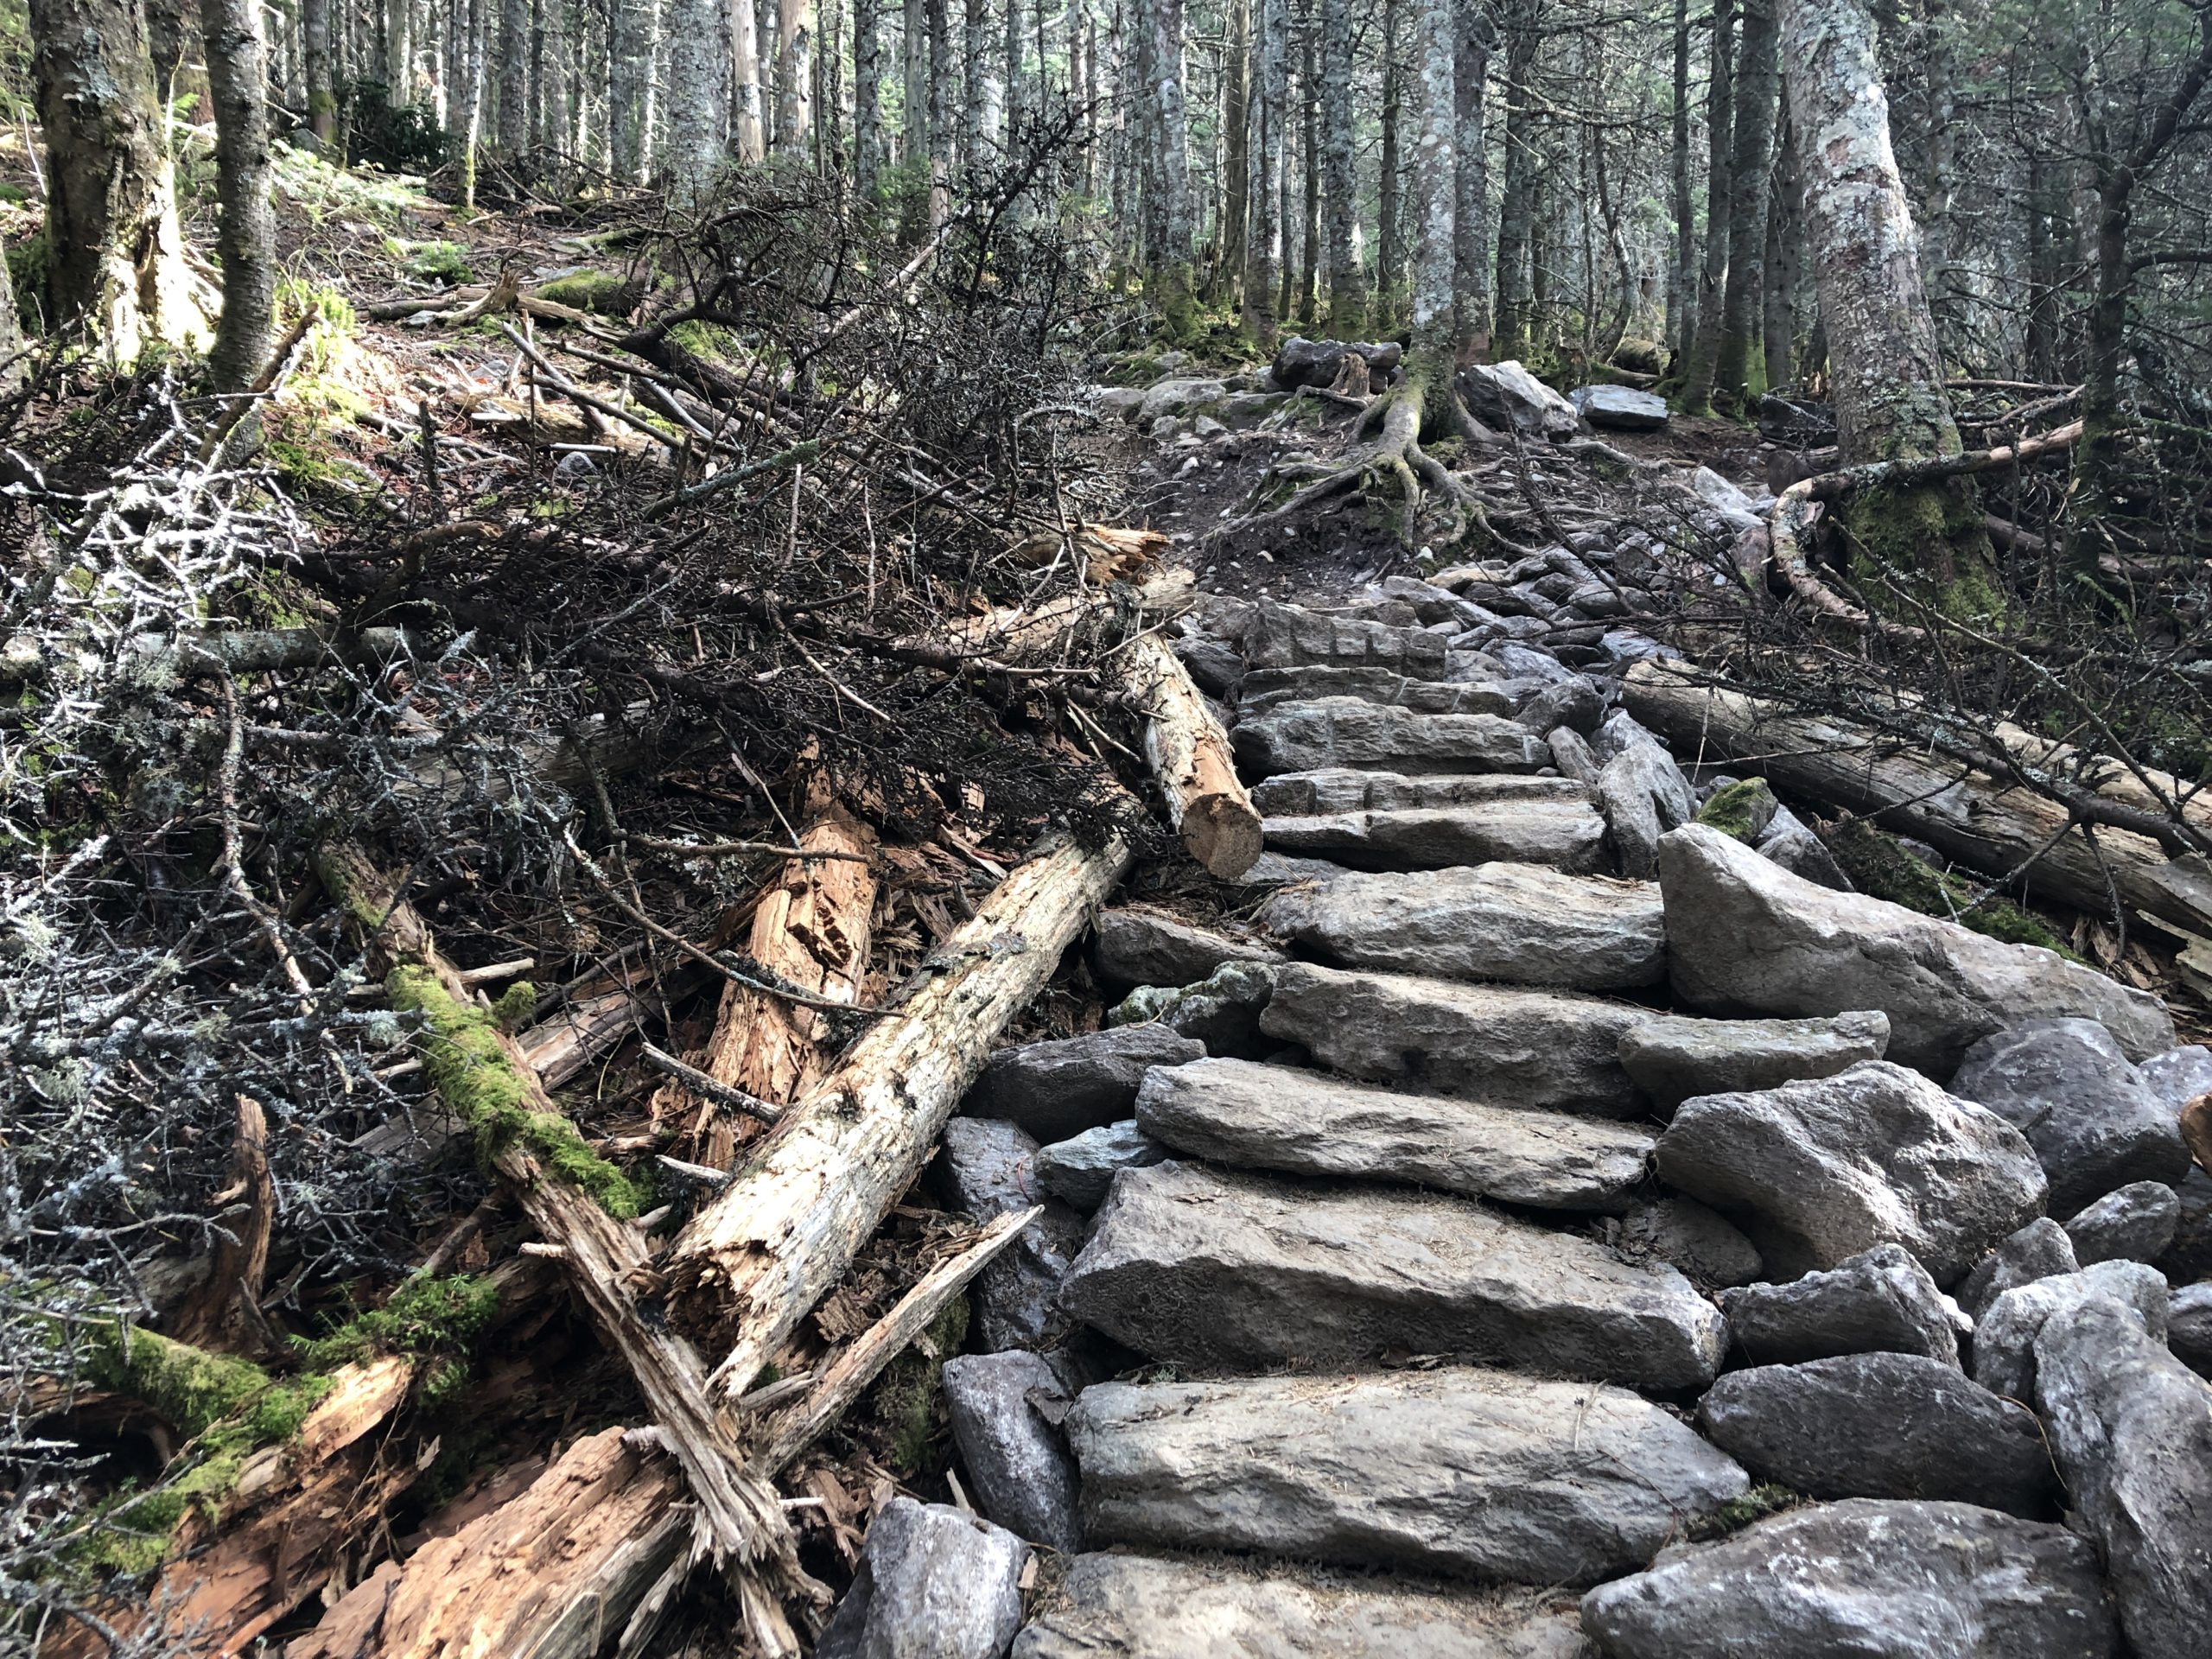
x=752, y=1264
x=1190, y=758
x=813, y=929
x=1971, y=818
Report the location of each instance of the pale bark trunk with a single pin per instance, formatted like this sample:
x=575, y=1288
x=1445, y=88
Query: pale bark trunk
x=1173, y=276
x=913, y=129
x=630, y=88
x=1236, y=129
x=1750, y=184
x=939, y=120
x=747, y=1269
x=867, y=96
x=315, y=53
x=794, y=105
x=1435, y=186
x=1516, y=203
x=1471, y=210
x=1310, y=258
x=698, y=94
x=514, y=77
x=238, y=84
x=1698, y=375
x=1190, y=760
x=399, y=52
x=748, y=136
x=12, y=368
x=1945, y=300
x=975, y=94
x=1270, y=97
x=473, y=83
x=1340, y=176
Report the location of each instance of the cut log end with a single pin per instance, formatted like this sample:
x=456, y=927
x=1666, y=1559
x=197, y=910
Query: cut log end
x=1224, y=834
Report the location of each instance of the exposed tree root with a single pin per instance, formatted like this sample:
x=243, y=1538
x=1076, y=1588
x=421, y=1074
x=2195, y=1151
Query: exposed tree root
x=1390, y=459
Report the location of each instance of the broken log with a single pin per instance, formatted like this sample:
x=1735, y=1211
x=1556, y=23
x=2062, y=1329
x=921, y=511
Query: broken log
x=1970, y=816
x=224, y=1310
x=1190, y=758
x=752, y=1264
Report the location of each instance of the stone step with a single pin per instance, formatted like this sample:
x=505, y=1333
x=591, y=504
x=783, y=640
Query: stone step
x=1346, y=732
x=1565, y=836
x=1554, y=1050
x=1251, y=1116
x=1263, y=688
x=1330, y=790
x=1497, y=921
x=1286, y=636
x=1473, y=1473
x=1112, y=1606
x=1210, y=1268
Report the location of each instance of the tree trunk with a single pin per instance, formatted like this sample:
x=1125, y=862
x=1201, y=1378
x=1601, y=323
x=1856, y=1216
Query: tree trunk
x=1946, y=302
x=1470, y=206
x=2041, y=343
x=1339, y=175
x=1171, y=279
x=1189, y=755
x=698, y=95
x=315, y=53
x=514, y=78
x=867, y=96
x=1700, y=372
x=937, y=118
x=974, y=99
x=237, y=86
x=748, y=123
x=630, y=86
x=1270, y=105
x=914, y=126
x=1390, y=241
x=1436, y=194
x=1236, y=168
x=1750, y=177
x=1681, y=274
x=1516, y=199
x=794, y=105
x=12, y=368
x=118, y=255
x=472, y=95
x=1784, y=233
x=1309, y=236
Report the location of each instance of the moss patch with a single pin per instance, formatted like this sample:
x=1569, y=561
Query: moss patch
x=475, y=1078
x=1741, y=810
x=1734, y=1516
x=589, y=290
x=1877, y=864
x=423, y=1316
x=903, y=1405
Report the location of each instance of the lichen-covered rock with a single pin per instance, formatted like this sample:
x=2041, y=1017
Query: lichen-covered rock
x=2038, y=1250
x=1017, y=1464
x=1505, y=394
x=2004, y=1337
x=1350, y=732
x=1622, y=408
x=2189, y=1327
x=2178, y=1075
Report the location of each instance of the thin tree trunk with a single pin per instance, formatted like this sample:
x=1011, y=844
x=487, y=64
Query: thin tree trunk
x=1293, y=225
x=749, y=130
x=1389, y=241
x=1236, y=168
x=1471, y=209
x=1172, y=280
x=480, y=29
x=630, y=86
x=914, y=122
x=398, y=53
x=1015, y=94
x=245, y=240
x=1516, y=199
x=794, y=108
x=11, y=332
x=938, y=120
x=1309, y=236
x=1681, y=275
x=1946, y=303
x=1750, y=183
x=1340, y=176
x=315, y=51
x=1270, y=100
x=2041, y=343
x=1698, y=376
x=514, y=77
x=1435, y=193
x=867, y=96
x=972, y=105
x=1784, y=270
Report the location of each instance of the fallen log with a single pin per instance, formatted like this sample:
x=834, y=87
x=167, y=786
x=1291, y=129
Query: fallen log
x=2001, y=830
x=1190, y=758
x=752, y=1264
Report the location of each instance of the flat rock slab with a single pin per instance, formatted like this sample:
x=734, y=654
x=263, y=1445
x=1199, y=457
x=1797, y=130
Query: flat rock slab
x=1346, y=732
x=1470, y=1474
x=1675, y=1057
x=1345, y=789
x=1262, y=687
x=1566, y=835
x=1144, y=1607
x=1520, y=922
x=1080, y=1171
x=2132, y=1428
x=1059, y=1089
x=1556, y=1051
x=1744, y=935
x=1622, y=409
x=1284, y=636
x=1270, y=1117
x=1882, y=1425
x=1817, y=1172
x=1880, y=1301
x=1861, y=1579
x=1143, y=947
x=1228, y=1270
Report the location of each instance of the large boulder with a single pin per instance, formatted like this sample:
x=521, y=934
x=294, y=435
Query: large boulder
x=2135, y=1224
x=1865, y=1578
x=1882, y=1425
x=2004, y=1337
x=1504, y=395
x=1143, y=947
x=1880, y=1301
x=1229, y=1270
x=1350, y=732
x=1743, y=936
x=1302, y=362
x=1524, y=923
x=1468, y=1472
x=1644, y=795
x=1620, y=408
x=1177, y=397
x=2065, y=1084
x=1816, y=1172
x=1142, y=1607
x=2132, y=1428
x=1253, y=1116
x=988, y=1168
x=1055, y=1090
x=1676, y=1057
x=933, y=1584
x=1017, y=1465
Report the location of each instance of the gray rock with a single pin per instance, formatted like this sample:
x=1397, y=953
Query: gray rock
x=1865, y=1578
x=1563, y=835
x=2066, y=1085
x=1346, y=789
x=1802, y=853
x=1215, y=665
x=2132, y=1428
x=1880, y=1301
x=1346, y=732
x=1079, y=1169
x=1468, y=1472
x=1305, y=1123
x=1060, y=1089
x=2190, y=1256
x=1621, y=409
x=2189, y=1327
x=933, y=1584
x=1518, y=922
x=2004, y=1337
x=1212, y=1269
x=1745, y=936
x=2038, y=1250
x=1676, y=1057
x=1554, y=1050
x=2179, y=1075
x=1143, y=1607
x=1523, y=663
x=988, y=1168
x=1504, y=395
x=1143, y=947
x=1701, y=1242
x=1284, y=636
x=1575, y=703
x=1177, y=397
x=2135, y=1224
x=1816, y=1172
x=1263, y=688
x=1571, y=754
x=1644, y=795
x=1301, y=362
x=1118, y=403
x=1018, y=1468
x=1222, y=1011
x=1882, y=1425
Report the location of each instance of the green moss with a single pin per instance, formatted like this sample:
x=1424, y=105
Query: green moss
x=516, y=1006
x=1877, y=864
x=1734, y=1516
x=188, y=1387
x=903, y=1405
x=423, y=1316
x=1741, y=810
x=1173, y=292
x=440, y=262
x=479, y=1083
x=1935, y=532
x=589, y=290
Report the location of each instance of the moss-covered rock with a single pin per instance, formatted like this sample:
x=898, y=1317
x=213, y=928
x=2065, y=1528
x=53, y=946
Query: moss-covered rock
x=1878, y=864
x=1741, y=810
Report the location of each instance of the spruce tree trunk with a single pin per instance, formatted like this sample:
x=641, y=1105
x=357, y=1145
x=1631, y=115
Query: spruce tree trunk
x=1309, y=236
x=246, y=238
x=1339, y=177
x=748, y=119
x=867, y=96
x=1172, y=280
x=514, y=78
x=794, y=106
x=1698, y=375
x=472, y=97
x=914, y=120
x=936, y=121
x=1681, y=275
x=118, y=255
x=1784, y=269
x=1516, y=199
x=1237, y=157
x=1750, y=184
x=13, y=367
x=398, y=53
x=974, y=100
x=698, y=95
x=1389, y=241
x=1270, y=100
x=314, y=52
x=1470, y=206
x=1946, y=303
x=630, y=86
x=1435, y=197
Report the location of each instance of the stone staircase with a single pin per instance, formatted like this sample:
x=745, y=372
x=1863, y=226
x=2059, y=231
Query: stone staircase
x=1385, y=1338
